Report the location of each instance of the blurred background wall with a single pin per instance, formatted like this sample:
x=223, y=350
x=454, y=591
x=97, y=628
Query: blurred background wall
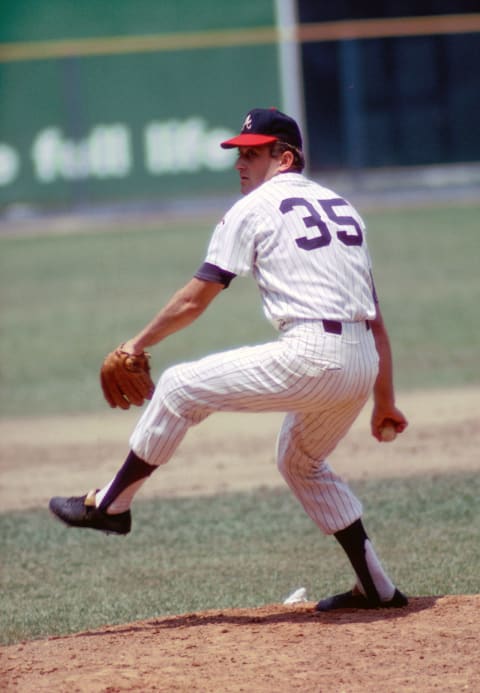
x=405, y=92
x=113, y=100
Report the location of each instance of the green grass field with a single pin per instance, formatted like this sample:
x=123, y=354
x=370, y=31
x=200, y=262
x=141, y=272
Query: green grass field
x=240, y=550
x=67, y=300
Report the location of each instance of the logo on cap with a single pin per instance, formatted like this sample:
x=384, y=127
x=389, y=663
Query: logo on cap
x=247, y=124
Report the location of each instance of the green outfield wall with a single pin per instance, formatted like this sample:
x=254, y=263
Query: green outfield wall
x=114, y=99
x=108, y=100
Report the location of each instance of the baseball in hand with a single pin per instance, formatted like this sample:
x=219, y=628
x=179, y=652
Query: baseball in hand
x=388, y=432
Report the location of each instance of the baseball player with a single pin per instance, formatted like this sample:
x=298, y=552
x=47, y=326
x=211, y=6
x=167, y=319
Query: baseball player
x=306, y=249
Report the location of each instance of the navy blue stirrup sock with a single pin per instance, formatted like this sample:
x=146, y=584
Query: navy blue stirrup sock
x=132, y=470
x=352, y=539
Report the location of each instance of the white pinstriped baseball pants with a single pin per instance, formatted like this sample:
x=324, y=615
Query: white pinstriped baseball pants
x=320, y=380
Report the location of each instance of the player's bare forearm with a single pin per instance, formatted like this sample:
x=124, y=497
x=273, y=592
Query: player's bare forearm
x=384, y=408
x=383, y=389
x=185, y=306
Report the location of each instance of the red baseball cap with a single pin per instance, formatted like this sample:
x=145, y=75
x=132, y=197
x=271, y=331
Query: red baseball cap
x=263, y=126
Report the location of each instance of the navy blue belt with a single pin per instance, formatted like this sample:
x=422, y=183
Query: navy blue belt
x=335, y=327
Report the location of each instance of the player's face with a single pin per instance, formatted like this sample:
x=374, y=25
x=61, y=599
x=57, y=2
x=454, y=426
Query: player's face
x=255, y=166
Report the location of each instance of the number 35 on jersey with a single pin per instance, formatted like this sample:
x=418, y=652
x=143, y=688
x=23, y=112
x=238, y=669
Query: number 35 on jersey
x=349, y=232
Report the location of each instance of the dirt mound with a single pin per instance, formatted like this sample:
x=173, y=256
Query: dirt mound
x=429, y=646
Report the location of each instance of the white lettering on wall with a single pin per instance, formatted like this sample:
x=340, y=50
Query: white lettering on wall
x=175, y=146
x=216, y=158
x=104, y=153
x=170, y=147
x=9, y=164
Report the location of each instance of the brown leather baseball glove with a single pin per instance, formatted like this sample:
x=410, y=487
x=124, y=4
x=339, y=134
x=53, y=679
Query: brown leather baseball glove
x=125, y=378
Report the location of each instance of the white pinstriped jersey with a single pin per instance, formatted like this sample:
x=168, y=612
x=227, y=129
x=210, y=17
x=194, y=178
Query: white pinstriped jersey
x=306, y=248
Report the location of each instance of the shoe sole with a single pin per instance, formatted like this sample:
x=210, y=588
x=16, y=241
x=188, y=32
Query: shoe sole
x=349, y=601
x=68, y=524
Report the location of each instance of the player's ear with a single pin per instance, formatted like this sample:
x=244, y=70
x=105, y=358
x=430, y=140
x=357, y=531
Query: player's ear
x=286, y=160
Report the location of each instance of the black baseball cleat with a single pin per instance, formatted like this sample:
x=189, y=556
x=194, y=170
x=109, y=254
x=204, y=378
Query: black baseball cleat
x=81, y=512
x=355, y=600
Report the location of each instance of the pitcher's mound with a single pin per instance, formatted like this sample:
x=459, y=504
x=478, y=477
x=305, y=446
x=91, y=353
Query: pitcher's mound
x=432, y=645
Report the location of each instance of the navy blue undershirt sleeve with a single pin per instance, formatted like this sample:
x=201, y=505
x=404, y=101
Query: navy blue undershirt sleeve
x=212, y=273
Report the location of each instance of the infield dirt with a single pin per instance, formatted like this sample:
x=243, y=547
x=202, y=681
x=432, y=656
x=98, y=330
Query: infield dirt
x=432, y=645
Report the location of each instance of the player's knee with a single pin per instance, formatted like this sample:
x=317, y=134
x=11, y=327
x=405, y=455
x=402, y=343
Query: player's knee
x=169, y=389
x=178, y=396
x=292, y=462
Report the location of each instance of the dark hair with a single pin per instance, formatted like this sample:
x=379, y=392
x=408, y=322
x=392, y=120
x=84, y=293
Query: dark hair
x=277, y=149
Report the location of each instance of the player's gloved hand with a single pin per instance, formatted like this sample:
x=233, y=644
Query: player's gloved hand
x=125, y=378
